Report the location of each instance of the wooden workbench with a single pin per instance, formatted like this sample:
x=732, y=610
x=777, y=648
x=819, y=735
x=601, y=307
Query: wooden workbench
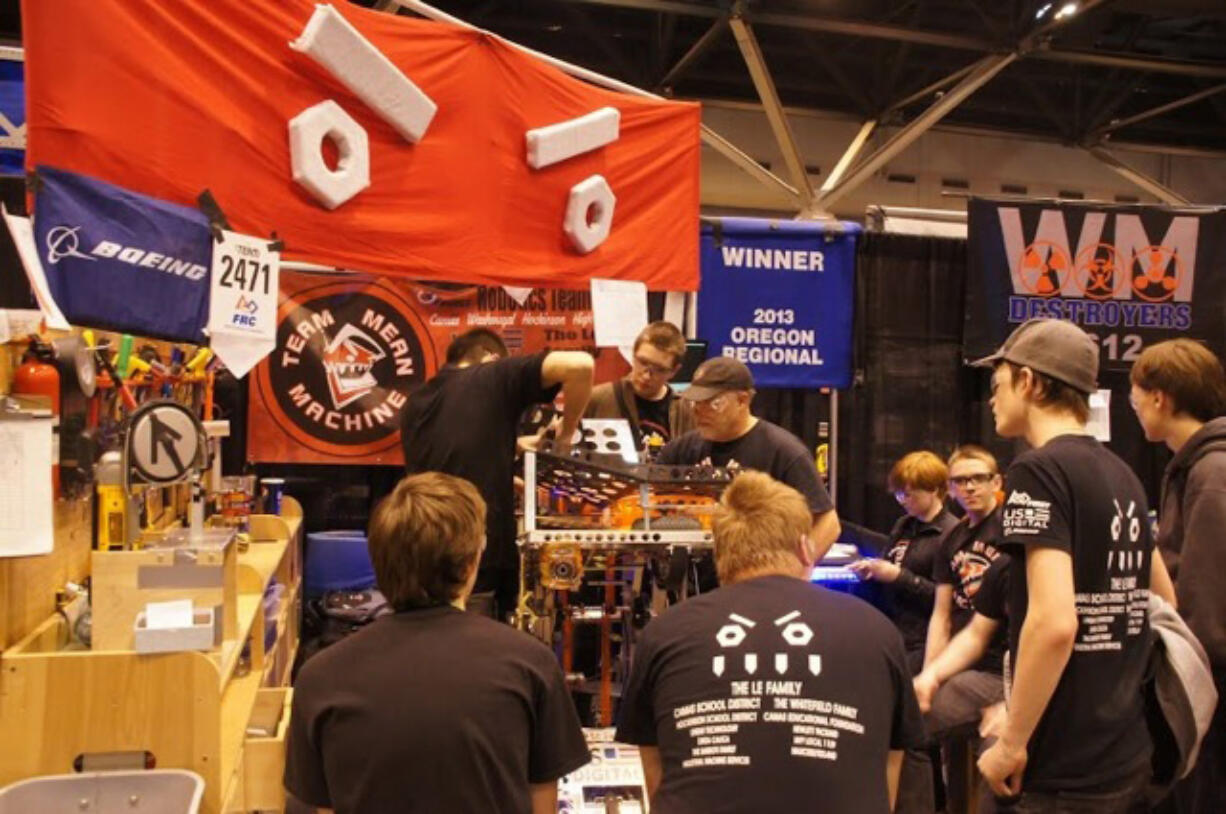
x=187, y=710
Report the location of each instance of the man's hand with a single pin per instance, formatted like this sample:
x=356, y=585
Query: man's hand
x=926, y=686
x=992, y=721
x=1002, y=766
x=532, y=443
x=873, y=568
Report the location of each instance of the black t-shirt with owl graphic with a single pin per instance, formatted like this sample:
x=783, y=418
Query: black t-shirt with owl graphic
x=771, y=695
x=965, y=560
x=1075, y=495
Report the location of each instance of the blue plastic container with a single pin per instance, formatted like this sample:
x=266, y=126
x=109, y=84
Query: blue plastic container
x=337, y=561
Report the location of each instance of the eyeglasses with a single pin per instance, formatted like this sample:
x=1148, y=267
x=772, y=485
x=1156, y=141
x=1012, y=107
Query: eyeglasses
x=978, y=479
x=902, y=494
x=715, y=403
x=653, y=369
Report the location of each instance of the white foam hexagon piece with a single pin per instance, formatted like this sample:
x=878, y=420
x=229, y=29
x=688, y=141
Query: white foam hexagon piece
x=595, y=194
x=335, y=44
x=307, y=131
x=558, y=142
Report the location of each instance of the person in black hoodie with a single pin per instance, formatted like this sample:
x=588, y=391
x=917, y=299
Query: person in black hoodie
x=905, y=568
x=906, y=573
x=1179, y=395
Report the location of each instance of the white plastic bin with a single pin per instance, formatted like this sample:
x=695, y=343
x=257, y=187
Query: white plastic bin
x=156, y=791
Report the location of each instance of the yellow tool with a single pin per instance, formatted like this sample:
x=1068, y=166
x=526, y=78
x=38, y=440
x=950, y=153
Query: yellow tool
x=115, y=532
x=201, y=359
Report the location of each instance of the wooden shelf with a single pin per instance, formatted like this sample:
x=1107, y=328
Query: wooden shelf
x=236, y=707
x=190, y=709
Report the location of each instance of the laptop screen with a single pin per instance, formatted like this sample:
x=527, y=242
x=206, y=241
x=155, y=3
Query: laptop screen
x=695, y=355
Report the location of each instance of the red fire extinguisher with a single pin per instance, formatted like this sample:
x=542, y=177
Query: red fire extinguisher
x=38, y=376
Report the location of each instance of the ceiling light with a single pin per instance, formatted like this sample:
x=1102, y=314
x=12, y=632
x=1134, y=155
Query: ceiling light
x=555, y=27
x=1067, y=10
x=1043, y=10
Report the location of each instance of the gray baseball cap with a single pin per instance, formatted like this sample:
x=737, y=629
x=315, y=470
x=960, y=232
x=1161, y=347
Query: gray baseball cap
x=1055, y=347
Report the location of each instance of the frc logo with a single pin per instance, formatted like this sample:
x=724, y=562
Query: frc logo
x=349, y=360
x=347, y=356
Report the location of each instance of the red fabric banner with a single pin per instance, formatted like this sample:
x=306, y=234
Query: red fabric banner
x=172, y=98
x=350, y=349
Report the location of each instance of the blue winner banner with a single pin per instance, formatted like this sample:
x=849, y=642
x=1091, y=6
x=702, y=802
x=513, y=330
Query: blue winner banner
x=778, y=296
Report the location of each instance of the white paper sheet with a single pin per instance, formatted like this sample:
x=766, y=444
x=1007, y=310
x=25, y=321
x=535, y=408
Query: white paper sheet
x=1099, y=424
x=26, y=526
x=173, y=615
x=22, y=230
x=619, y=311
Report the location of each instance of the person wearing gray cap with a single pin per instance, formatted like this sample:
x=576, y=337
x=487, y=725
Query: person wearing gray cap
x=1075, y=737
x=729, y=435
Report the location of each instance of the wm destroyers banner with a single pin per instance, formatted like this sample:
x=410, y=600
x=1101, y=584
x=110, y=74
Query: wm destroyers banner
x=350, y=350
x=778, y=296
x=1129, y=275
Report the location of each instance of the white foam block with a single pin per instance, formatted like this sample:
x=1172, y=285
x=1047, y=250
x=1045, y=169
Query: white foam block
x=335, y=44
x=558, y=142
x=307, y=131
x=592, y=194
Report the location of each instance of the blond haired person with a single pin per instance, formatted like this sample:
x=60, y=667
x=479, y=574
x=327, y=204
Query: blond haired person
x=431, y=709
x=769, y=694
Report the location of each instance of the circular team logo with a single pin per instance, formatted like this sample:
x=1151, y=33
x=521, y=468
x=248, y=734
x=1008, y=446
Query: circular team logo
x=346, y=359
x=1156, y=273
x=1044, y=267
x=1098, y=272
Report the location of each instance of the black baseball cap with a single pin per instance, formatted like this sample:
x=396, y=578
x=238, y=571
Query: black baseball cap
x=716, y=376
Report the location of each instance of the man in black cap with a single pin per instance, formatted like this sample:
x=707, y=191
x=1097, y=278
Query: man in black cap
x=728, y=435
x=1074, y=520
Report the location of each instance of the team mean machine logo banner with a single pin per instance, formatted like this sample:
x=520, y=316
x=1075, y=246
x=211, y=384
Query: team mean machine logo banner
x=368, y=140
x=351, y=349
x=1129, y=275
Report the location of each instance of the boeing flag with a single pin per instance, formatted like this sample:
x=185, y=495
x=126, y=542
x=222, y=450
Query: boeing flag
x=119, y=260
x=778, y=296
